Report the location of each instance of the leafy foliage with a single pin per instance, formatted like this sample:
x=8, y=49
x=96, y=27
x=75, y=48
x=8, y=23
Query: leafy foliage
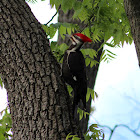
x=5, y=125
x=107, y=18
x=58, y=50
x=103, y=19
x=107, y=55
x=72, y=137
x=94, y=133
x=82, y=113
x=62, y=27
x=89, y=55
x=92, y=93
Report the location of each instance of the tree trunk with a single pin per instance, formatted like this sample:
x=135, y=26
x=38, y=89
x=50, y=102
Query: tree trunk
x=91, y=72
x=132, y=8
x=39, y=102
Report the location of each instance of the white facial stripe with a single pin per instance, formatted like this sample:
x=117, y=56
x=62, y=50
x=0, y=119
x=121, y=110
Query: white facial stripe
x=74, y=40
x=68, y=52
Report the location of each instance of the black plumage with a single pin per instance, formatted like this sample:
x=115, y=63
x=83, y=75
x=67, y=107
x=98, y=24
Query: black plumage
x=74, y=73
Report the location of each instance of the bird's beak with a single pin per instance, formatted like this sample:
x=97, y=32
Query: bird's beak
x=66, y=35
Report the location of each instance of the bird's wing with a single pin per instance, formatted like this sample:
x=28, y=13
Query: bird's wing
x=76, y=63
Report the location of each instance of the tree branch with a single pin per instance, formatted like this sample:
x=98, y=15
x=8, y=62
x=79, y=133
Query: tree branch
x=53, y=16
x=121, y=125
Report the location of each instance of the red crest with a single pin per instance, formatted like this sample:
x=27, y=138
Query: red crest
x=83, y=37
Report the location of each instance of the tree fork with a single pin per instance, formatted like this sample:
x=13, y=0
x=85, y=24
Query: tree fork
x=39, y=102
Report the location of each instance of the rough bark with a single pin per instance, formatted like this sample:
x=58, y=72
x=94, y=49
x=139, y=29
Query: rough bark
x=132, y=8
x=91, y=72
x=39, y=104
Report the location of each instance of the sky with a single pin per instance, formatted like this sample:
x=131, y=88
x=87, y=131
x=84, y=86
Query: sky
x=118, y=88
x=117, y=85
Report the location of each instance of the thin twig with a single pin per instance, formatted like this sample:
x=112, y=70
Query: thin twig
x=53, y=16
x=119, y=125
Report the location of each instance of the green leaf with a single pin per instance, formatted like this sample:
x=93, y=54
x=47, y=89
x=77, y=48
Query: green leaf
x=80, y=111
x=94, y=125
x=66, y=5
x=69, y=136
x=52, y=31
x=110, y=56
x=92, y=64
x=88, y=95
x=87, y=137
x=69, y=30
x=63, y=47
x=105, y=59
x=75, y=138
x=45, y=28
x=85, y=114
x=82, y=14
x=57, y=3
x=86, y=31
x=52, y=2
x=91, y=54
x=92, y=94
x=5, y=124
x=103, y=136
x=56, y=25
x=1, y=84
x=87, y=61
x=96, y=95
x=87, y=3
x=92, y=129
x=111, y=53
x=77, y=5
x=102, y=56
x=109, y=44
x=2, y=136
x=69, y=90
x=53, y=45
x=62, y=30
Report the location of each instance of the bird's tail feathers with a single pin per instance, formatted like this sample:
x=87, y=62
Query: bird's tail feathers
x=79, y=94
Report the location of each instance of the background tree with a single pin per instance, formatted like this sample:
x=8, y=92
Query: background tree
x=132, y=9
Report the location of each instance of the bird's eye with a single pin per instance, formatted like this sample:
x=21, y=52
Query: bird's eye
x=77, y=37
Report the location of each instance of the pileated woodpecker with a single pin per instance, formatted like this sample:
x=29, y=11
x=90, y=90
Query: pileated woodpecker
x=74, y=68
